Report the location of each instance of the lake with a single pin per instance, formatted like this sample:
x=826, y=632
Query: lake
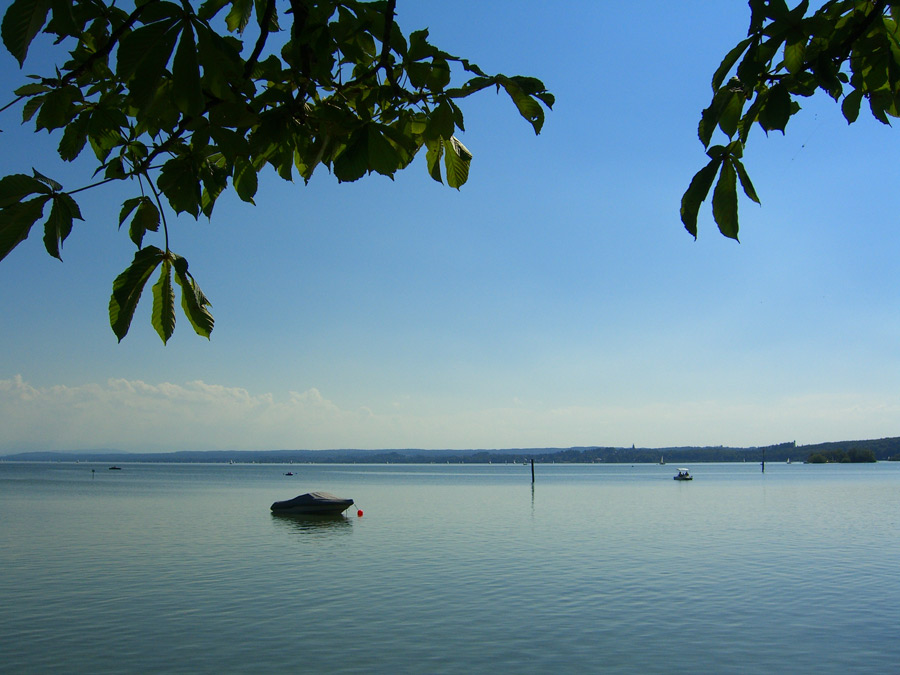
x=451, y=569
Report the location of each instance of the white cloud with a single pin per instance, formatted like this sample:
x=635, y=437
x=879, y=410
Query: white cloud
x=136, y=416
x=133, y=415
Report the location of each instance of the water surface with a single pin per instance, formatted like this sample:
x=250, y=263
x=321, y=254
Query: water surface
x=452, y=569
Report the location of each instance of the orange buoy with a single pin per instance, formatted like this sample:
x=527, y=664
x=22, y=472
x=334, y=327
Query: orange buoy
x=359, y=513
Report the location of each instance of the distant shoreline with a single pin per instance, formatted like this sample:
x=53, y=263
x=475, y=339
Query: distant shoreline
x=885, y=449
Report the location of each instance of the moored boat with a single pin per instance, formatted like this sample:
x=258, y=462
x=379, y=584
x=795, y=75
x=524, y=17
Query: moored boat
x=313, y=503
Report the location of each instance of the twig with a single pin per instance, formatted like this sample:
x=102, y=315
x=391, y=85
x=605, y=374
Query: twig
x=261, y=40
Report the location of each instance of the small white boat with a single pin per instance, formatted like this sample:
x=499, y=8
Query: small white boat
x=313, y=503
x=683, y=474
x=662, y=461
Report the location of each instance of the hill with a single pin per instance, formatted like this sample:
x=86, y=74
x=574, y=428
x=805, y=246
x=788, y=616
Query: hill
x=864, y=450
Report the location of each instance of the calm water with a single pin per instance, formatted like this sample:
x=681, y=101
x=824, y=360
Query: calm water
x=452, y=569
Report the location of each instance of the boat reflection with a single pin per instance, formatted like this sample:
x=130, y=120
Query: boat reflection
x=311, y=523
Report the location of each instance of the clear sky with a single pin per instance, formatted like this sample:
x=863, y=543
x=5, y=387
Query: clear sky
x=554, y=301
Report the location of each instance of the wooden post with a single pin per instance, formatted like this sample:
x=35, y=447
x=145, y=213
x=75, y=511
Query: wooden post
x=764, y=461
x=532, y=470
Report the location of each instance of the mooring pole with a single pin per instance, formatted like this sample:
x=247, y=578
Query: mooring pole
x=532, y=470
x=764, y=461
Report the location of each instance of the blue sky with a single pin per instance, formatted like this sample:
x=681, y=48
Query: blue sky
x=555, y=300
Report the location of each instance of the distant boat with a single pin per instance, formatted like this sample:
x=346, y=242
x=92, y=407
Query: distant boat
x=115, y=468
x=313, y=503
x=683, y=474
x=662, y=460
x=789, y=460
x=289, y=473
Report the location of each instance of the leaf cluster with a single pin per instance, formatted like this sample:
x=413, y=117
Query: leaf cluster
x=189, y=100
x=848, y=49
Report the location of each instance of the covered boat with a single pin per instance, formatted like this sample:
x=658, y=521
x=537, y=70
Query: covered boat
x=313, y=503
x=683, y=474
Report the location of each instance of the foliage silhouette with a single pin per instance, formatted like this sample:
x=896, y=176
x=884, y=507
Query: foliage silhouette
x=189, y=102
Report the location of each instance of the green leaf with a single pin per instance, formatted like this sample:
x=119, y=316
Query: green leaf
x=16, y=221
x=186, y=89
x=160, y=10
x=528, y=107
x=850, y=105
x=794, y=56
x=193, y=302
x=777, y=109
x=163, y=315
x=419, y=48
x=724, y=112
x=22, y=21
x=696, y=194
x=707, y=124
x=353, y=161
x=245, y=179
x=59, y=224
x=457, y=159
x=433, y=158
x=49, y=182
x=58, y=108
x=221, y=63
x=15, y=187
x=239, y=16
x=128, y=206
x=31, y=106
x=31, y=89
x=724, y=201
x=418, y=74
x=180, y=182
x=731, y=113
x=440, y=122
x=383, y=157
x=74, y=138
x=145, y=219
x=142, y=58
x=128, y=287
x=105, y=130
x=210, y=8
x=140, y=45
x=728, y=63
x=63, y=22
x=744, y=177
x=439, y=77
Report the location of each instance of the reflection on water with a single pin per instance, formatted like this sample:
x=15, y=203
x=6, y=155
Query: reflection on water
x=305, y=523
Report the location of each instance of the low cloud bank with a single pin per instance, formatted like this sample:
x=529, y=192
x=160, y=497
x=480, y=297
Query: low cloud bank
x=132, y=415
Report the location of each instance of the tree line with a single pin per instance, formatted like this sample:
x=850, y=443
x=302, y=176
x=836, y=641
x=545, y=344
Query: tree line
x=885, y=449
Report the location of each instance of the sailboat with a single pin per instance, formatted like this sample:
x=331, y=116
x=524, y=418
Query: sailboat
x=661, y=460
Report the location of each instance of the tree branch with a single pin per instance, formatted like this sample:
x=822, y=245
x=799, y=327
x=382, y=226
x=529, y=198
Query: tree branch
x=384, y=57
x=261, y=40
x=110, y=43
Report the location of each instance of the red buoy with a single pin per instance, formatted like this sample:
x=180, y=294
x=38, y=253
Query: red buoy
x=359, y=513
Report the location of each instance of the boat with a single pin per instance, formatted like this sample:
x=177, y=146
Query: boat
x=683, y=474
x=115, y=468
x=313, y=503
x=662, y=460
